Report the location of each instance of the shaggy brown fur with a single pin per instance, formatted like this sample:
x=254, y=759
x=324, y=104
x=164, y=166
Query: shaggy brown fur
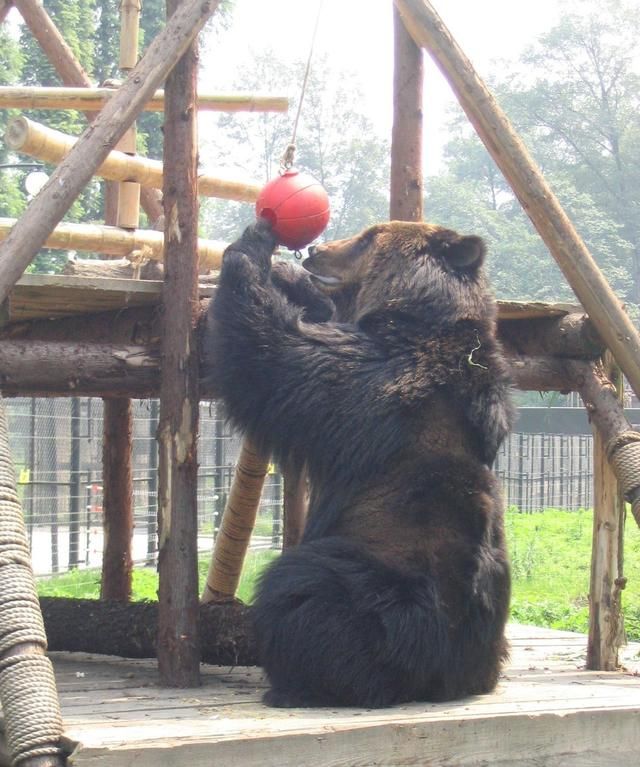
x=397, y=405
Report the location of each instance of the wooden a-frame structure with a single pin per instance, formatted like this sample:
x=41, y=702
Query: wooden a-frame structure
x=550, y=348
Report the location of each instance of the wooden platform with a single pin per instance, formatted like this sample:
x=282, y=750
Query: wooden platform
x=546, y=711
x=38, y=296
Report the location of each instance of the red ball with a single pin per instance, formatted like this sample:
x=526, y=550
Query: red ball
x=296, y=206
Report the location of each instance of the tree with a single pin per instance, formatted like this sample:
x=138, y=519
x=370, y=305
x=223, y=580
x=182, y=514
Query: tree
x=11, y=193
x=581, y=112
x=573, y=97
x=335, y=143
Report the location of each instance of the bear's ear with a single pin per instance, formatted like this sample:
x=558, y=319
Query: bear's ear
x=462, y=252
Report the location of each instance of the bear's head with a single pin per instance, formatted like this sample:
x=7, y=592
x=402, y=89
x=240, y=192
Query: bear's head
x=417, y=270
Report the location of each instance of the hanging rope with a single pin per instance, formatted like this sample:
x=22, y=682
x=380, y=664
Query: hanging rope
x=28, y=694
x=286, y=161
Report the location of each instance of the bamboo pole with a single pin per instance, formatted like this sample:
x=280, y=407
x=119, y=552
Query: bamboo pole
x=72, y=74
x=529, y=185
x=238, y=520
x=49, y=206
x=36, y=140
x=129, y=30
x=93, y=99
x=113, y=241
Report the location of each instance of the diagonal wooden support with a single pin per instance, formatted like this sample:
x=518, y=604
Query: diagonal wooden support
x=529, y=185
x=72, y=175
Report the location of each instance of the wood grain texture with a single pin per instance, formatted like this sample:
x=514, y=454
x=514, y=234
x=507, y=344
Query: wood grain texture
x=546, y=712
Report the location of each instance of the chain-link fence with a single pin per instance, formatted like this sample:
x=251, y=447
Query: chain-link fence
x=57, y=449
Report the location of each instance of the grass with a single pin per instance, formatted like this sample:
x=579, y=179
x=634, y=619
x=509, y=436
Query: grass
x=550, y=560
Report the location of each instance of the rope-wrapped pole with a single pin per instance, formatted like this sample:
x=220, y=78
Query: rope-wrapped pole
x=238, y=520
x=33, y=723
x=621, y=441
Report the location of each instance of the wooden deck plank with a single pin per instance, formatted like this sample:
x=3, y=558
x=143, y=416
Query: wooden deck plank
x=546, y=711
x=38, y=296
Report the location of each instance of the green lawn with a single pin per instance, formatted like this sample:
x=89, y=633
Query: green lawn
x=550, y=558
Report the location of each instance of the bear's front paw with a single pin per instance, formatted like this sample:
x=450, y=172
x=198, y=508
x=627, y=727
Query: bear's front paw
x=257, y=243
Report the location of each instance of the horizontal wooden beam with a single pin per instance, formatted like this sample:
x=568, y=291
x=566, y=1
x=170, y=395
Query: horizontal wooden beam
x=112, y=240
x=52, y=146
x=569, y=336
x=58, y=368
x=93, y=99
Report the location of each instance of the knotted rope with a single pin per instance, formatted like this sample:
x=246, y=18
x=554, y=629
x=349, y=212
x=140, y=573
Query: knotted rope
x=623, y=452
x=28, y=694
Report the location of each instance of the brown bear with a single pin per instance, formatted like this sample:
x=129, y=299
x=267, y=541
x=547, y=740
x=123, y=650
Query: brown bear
x=395, y=397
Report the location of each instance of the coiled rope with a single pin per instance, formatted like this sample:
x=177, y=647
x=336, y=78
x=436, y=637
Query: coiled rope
x=33, y=723
x=623, y=452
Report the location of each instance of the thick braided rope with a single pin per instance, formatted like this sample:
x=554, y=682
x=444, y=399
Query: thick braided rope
x=623, y=451
x=28, y=694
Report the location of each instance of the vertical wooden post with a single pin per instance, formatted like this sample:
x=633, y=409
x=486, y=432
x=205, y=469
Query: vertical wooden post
x=406, y=136
x=178, y=640
x=606, y=628
x=117, y=508
x=295, y=504
x=117, y=505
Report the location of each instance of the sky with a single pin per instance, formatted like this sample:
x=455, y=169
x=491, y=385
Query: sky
x=359, y=35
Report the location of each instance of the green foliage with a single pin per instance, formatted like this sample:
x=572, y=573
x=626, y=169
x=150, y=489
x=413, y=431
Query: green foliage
x=550, y=555
x=574, y=97
x=85, y=584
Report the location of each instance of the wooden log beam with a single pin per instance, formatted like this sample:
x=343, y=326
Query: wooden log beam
x=606, y=623
x=52, y=146
x=406, y=134
x=178, y=630
x=67, y=368
x=48, y=366
x=529, y=185
x=130, y=629
x=117, y=517
x=114, y=241
x=49, y=206
x=89, y=99
x=572, y=336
